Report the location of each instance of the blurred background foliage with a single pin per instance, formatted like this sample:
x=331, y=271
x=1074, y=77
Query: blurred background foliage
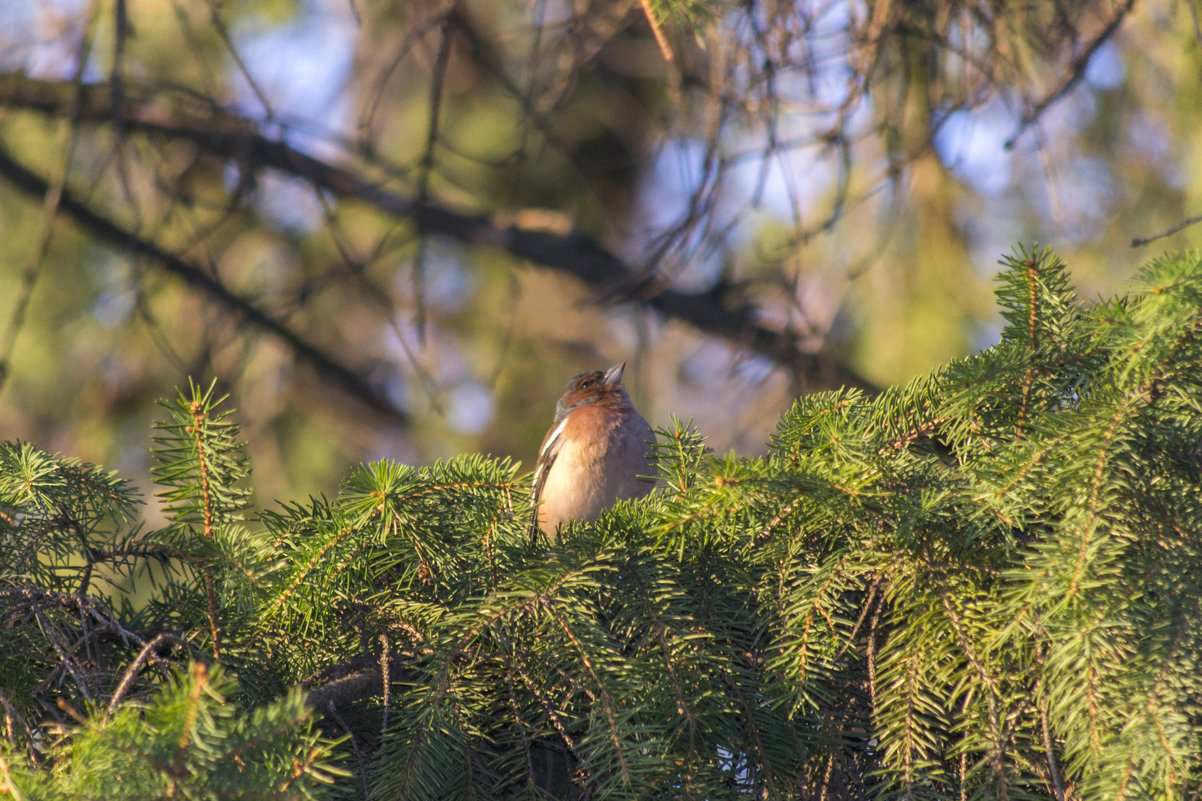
x=395, y=229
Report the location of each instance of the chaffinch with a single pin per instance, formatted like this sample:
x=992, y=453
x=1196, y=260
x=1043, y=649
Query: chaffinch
x=595, y=453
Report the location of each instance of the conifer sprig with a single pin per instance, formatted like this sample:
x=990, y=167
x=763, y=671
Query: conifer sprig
x=202, y=468
x=983, y=583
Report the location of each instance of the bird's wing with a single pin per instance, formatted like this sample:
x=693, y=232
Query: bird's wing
x=546, y=457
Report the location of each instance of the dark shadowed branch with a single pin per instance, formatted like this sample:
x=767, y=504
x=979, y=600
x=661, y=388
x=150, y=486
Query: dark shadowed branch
x=106, y=230
x=1072, y=74
x=356, y=679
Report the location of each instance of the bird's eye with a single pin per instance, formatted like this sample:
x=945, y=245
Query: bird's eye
x=587, y=384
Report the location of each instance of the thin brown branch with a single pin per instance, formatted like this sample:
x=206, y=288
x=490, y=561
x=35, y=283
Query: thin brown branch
x=521, y=727
x=66, y=658
x=149, y=652
x=608, y=704
x=1143, y=240
x=1073, y=74
x=353, y=737
x=1050, y=753
x=142, y=548
x=94, y=608
x=661, y=39
x=89, y=553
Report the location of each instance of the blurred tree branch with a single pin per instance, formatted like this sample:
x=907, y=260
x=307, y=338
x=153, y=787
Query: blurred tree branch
x=1073, y=73
x=370, y=184
x=327, y=365
x=720, y=311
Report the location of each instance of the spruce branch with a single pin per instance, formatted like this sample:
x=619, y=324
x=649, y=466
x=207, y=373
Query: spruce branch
x=982, y=583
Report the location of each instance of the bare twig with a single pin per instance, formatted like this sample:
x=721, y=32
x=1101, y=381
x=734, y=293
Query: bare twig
x=1074, y=74
x=148, y=652
x=1050, y=751
x=36, y=598
x=1140, y=241
x=66, y=659
x=331, y=711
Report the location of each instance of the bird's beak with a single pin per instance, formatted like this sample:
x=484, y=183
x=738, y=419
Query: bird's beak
x=614, y=374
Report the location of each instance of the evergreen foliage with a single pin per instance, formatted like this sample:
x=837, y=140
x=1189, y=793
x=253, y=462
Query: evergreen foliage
x=983, y=584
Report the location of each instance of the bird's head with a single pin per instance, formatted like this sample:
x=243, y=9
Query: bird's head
x=592, y=387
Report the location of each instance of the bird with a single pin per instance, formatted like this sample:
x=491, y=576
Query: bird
x=599, y=450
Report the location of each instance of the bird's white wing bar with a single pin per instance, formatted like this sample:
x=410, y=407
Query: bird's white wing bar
x=546, y=457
